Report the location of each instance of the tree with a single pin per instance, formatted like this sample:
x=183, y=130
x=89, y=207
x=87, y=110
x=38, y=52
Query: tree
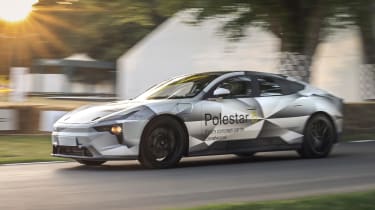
x=112, y=27
x=105, y=29
x=36, y=37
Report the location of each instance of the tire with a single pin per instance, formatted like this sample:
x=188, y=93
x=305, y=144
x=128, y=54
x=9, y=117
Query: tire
x=319, y=136
x=245, y=154
x=163, y=143
x=91, y=162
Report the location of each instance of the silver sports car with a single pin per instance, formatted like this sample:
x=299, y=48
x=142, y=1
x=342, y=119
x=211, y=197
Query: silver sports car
x=233, y=112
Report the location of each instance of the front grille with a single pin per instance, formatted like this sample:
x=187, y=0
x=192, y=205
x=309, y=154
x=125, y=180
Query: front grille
x=69, y=150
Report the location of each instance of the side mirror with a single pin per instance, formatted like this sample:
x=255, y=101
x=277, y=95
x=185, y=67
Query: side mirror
x=221, y=92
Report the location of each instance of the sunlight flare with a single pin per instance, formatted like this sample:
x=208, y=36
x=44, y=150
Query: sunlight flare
x=16, y=10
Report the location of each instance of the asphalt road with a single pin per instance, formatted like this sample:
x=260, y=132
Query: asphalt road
x=125, y=185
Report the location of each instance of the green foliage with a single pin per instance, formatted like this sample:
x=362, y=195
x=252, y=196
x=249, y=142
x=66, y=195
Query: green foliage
x=106, y=29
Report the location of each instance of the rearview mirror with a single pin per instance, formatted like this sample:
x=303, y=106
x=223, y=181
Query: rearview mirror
x=221, y=92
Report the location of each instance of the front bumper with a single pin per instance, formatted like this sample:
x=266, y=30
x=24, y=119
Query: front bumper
x=87, y=143
x=72, y=151
x=105, y=158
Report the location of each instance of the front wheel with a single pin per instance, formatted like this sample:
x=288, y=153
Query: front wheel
x=91, y=162
x=318, y=138
x=163, y=143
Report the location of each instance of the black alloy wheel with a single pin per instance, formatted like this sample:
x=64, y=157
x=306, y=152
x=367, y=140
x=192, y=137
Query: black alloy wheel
x=319, y=137
x=163, y=143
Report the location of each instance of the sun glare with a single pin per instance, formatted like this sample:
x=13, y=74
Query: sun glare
x=16, y=10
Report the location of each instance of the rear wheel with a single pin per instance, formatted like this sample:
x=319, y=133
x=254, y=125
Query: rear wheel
x=163, y=143
x=318, y=138
x=91, y=162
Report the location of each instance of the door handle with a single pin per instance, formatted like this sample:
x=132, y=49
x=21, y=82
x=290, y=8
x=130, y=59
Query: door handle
x=251, y=108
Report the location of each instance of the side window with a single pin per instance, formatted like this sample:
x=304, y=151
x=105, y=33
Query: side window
x=268, y=86
x=239, y=87
x=293, y=87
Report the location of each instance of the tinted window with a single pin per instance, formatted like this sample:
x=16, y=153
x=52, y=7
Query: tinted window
x=269, y=86
x=238, y=87
x=293, y=87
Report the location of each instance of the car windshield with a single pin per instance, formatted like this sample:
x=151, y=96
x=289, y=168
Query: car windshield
x=182, y=87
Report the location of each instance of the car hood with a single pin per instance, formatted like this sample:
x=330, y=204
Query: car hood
x=95, y=113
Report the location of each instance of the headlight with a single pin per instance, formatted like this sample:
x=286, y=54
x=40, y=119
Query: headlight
x=113, y=129
x=116, y=129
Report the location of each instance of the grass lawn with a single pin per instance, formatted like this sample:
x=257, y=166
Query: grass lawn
x=347, y=201
x=23, y=149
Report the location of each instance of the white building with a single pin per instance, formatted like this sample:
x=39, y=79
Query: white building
x=177, y=47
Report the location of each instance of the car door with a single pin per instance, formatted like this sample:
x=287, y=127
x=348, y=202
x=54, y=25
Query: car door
x=230, y=112
x=282, y=110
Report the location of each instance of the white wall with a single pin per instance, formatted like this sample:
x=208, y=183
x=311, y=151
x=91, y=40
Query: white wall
x=47, y=83
x=8, y=119
x=337, y=64
x=18, y=83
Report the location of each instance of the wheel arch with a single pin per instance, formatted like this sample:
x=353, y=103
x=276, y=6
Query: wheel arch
x=329, y=117
x=178, y=119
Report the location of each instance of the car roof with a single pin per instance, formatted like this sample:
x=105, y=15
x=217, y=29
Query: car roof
x=258, y=73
